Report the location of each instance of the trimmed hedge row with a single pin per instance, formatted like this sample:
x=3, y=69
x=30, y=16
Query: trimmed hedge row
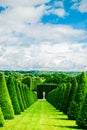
x=5, y=101
x=15, y=97
x=1, y=118
x=71, y=99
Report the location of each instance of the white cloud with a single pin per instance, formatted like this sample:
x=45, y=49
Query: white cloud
x=59, y=4
x=58, y=9
x=60, y=12
x=83, y=6
x=22, y=2
x=45, y=57
x=80, y=6
x=23, y=14
x=26, y=43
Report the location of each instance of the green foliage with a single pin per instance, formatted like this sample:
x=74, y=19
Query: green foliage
x=1, y=118
x=17, y=84
x=52, y=96
x=81, y=90
x=60, y=95
x=72, y=110
x=72, y=105
x=5, y=101
x=36, y=81
x=55, y=77
x=27, y=80
x=13, y=94
x=82, y=116
x=22, y=95
x=24, y=87
x=31, y=96
x=65, y=99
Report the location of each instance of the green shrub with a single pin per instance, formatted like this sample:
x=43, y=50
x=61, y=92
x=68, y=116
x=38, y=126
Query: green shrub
x=1, y=118
x=22, y=95
x=65, y=99
x=31, y=96
x=27, y=80
x=62, y=97
x=5, y=101
x=82, y=116
x=13, y=94
x=25, y=94
x=19, y=96
x=81, y=90
x=72, y=110
x=71, y=100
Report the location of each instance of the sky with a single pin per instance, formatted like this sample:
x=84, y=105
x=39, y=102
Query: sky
x=48, y=35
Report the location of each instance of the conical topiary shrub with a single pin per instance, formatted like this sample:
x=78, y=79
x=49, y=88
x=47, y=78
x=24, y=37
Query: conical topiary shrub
x=72, y=103
x=1, y=118
x=13, y=95
x=81, y=90
x=5, y=101
x=22, y=95
x=82, y=116
x=17, y=83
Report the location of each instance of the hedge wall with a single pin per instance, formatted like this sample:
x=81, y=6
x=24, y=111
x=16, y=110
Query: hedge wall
x=13, y=95
x=5, y=101
x=1, y=118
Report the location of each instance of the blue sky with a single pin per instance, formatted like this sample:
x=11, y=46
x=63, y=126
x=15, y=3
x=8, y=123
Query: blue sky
x=43, y=35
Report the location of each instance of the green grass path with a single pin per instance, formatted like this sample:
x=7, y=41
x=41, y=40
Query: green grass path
x=40, y=116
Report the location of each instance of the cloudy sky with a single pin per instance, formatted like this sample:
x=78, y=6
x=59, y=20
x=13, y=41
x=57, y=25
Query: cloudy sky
x=43, y=35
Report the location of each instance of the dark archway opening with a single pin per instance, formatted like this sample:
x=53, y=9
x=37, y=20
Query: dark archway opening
x=44, y=89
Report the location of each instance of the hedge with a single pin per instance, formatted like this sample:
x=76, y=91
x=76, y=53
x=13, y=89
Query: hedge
x=13, y=95
x=5, y=101
x=1, y=118
x=17, y=84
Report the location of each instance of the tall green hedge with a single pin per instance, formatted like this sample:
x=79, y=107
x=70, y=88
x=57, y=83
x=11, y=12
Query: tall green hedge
x=82, y=116
x=25, y=94
x=60, y=95
x=5, y=101
x=81, y=90
x=13, y=94
x=22, y=95
x=66, y=97
x=72, y=103
x=17, y=84
x=32, y=97
x=27, y=80
x=1, y=118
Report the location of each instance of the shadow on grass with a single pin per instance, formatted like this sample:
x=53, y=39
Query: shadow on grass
x=71, y=127
x=60, y=118
x=65, y=127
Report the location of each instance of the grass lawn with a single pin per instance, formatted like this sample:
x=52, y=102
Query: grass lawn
x=40, y=116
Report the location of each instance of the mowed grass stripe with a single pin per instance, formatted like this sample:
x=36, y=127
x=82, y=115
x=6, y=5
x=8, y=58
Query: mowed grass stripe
x=40, y=116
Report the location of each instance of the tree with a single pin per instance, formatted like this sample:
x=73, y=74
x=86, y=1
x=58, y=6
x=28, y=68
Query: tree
x=27, y=80
x=22, y=95
x=82, y=116
x=13, y=95
x=66, y=97
x=17, y=83
x=5, y=101
x=80, y=93
x=1, y=118
x=72, y=105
